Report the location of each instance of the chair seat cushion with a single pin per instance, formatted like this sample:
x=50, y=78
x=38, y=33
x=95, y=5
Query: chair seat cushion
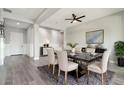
x=72, y=66
x=95, y=67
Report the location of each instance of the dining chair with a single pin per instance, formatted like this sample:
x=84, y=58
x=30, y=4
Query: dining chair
x=100, y=67
x=51, y=59
x=90, y=50
x=65, y=65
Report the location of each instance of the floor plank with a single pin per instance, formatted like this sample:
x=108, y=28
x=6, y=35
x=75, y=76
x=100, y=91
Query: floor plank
x=21, y=70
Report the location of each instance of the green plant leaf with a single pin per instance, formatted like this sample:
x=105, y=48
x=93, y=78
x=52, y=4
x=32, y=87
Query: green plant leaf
x=72, y=45
x=119, y=49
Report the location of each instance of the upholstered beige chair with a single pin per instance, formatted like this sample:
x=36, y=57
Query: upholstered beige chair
x=78, y=50
x=90, y=50
x=100, y=67
x=51, y=58
x=65, y=65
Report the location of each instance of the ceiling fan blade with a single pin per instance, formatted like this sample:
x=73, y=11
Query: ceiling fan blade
x=74, y=16
x=69, y=19
x=78, y=20
x=72, y=21
x=80, y=17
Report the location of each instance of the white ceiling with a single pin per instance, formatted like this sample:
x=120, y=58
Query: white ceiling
x=58, y=19
x=53, y=17
x=31, y=13
x=14, y=23
x=27, y=16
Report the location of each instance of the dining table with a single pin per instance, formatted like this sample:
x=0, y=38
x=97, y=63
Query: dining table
x=83, y=59
x=84, y=56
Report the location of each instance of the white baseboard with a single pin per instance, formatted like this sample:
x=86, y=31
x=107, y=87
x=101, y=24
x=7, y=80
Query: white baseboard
x=112, y=61
x=36, y=58
x=1, y=62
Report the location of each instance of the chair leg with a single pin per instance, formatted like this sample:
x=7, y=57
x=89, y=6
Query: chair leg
x=106, y=73
x=53, y=69
x=58, y=74
x=77, y=74
x=102, y=78
x=48, y=66
x=88, y=72
x=65, y=77
x=106, y=76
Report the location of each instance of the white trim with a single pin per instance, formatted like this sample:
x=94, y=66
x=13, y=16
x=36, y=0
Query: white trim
x=112, y=61
x=2, y=46
x=2, y=63
x=17, y=18
x=45, y=15
x=36, y=58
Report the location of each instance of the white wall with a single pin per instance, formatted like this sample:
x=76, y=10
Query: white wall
x=30, y=41
x=36, y=43
x=2, y=55
x=53, y=37
x=113, y=31
x=15, y=41
x=37, y=36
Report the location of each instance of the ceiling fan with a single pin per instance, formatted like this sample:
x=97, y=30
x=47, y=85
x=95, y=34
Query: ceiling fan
x=75, y=18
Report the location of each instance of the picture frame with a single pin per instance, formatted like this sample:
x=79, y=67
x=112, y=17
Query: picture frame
x=95, y=37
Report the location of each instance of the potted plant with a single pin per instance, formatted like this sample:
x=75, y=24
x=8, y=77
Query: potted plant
x=72, y=46
x=119, y=51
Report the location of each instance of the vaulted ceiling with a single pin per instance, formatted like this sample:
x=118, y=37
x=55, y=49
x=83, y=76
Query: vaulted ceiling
x=53, y=17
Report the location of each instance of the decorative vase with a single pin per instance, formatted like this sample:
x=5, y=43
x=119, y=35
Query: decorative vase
x=73, y=50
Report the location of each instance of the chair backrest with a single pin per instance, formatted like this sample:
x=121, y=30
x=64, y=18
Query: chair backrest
x=90, y=50
x=78, y=50
x=51, y=56
x=57, y=50
x=62, y=60
x=105, y=60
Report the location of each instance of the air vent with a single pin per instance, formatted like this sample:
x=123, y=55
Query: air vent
x=7, y=10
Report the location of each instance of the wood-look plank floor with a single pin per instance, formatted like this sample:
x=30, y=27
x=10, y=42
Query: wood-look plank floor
x=21, y=70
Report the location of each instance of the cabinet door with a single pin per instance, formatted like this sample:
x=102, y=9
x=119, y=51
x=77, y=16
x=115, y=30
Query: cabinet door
x=44, y=51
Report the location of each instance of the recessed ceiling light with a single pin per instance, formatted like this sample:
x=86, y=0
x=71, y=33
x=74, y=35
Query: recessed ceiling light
x=18, y=23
